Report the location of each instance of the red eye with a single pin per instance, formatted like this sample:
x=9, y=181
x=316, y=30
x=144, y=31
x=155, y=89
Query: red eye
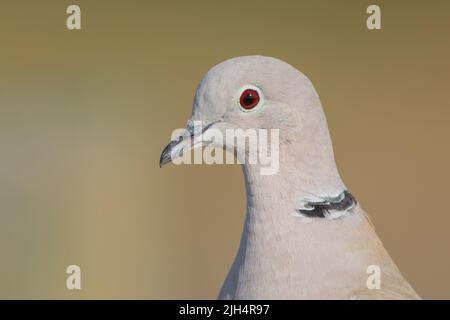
x=249, y=99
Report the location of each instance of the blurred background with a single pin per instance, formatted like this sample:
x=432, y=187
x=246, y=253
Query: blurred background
x=84, y=115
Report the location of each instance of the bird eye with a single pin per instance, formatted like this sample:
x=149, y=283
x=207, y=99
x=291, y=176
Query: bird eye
x=249, y=99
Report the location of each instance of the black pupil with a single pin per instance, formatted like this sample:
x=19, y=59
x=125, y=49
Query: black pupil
x=248, y=99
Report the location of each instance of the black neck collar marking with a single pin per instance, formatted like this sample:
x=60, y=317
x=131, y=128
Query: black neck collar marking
x=343, y=202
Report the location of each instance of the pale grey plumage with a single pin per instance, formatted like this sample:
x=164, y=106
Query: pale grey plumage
x=281, y=254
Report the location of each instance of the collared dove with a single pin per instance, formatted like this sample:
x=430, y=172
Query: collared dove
x=305, y=236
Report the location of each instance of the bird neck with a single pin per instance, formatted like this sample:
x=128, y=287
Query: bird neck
x=279, y=249
x=307, y=173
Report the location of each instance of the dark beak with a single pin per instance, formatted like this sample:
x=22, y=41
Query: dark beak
x=166, y=154
x=186, y=140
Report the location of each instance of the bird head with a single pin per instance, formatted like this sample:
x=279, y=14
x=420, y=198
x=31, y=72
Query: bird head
x=249, y=93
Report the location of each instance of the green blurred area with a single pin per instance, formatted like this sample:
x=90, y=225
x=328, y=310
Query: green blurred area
x=85, y=114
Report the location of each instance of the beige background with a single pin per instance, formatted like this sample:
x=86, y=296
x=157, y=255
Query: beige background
x=85, y=114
